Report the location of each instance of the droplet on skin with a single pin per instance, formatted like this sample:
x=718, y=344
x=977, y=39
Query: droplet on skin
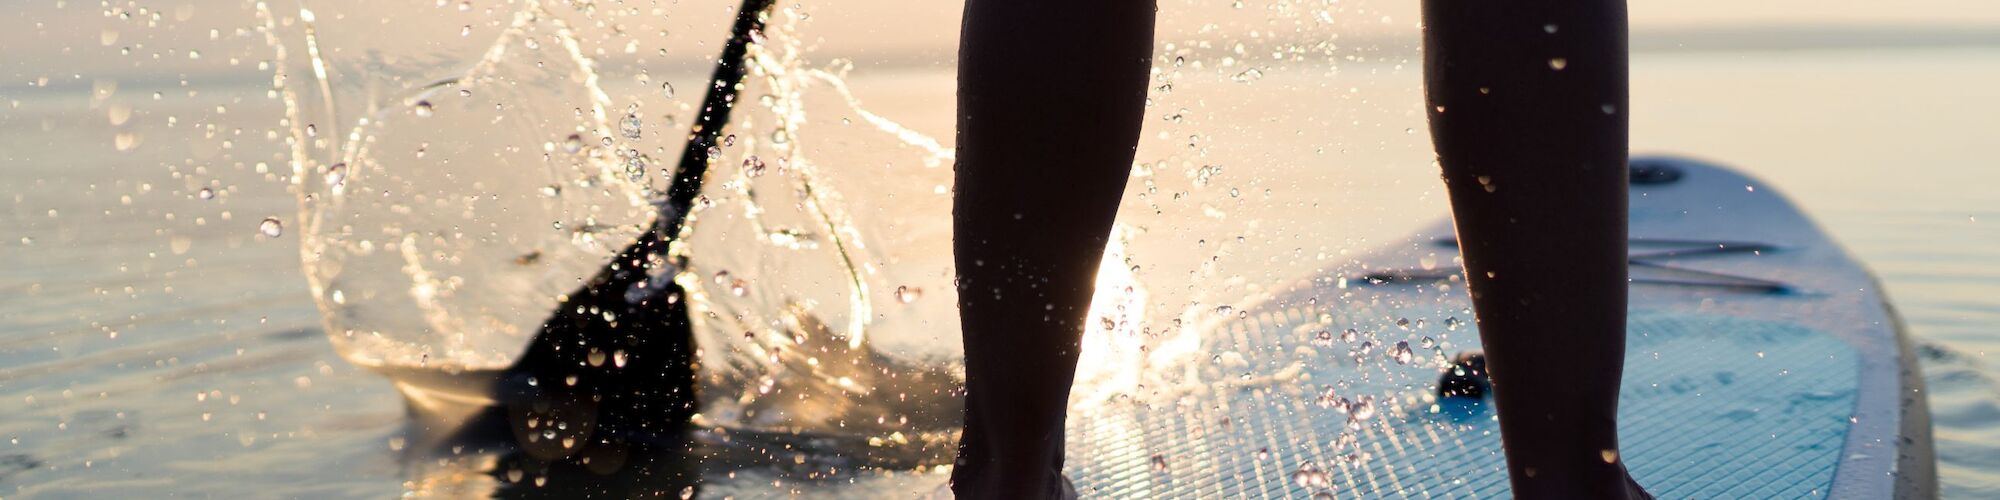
x=271, y=227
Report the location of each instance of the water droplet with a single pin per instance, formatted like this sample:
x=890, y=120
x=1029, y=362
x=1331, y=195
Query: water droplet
x=336, y=174
x=1427, y=342
x=739, y=288
x=753, y=166
x=312, y=130
x=1263, y=454
x=1558, y=63
x=595, y=358
x=1322, y=496
x=1549, y=28
x=1350, y=335
x=1363, y=409
x=514, y=475
x=635, y=167
x=1401, y=352
x=1323, y=339
x=271, y=227
x=630, y=126
x=573, y=144
x=1403, y=323
x=465, y=92
x=618, y=358
x=667, y=89
x=1609, y=109
x=1224, y=310
x=423, y=109
x=687, y=492
x=1309, y=476
x=205, y=193
x=1159, y=463
x=1610, y=456
x=1451, y=323
x=907, y=294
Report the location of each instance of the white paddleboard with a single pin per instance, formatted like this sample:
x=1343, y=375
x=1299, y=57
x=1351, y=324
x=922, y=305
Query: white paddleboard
x=1763, y=362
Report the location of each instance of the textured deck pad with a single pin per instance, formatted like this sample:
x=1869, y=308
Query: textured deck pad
x=1713, y=407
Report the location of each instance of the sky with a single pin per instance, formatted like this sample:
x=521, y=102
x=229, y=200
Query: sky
x=77, y=40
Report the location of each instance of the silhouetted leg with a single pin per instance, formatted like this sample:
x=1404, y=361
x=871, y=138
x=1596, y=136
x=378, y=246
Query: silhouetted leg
x=1050, y=99
x=1528, y=114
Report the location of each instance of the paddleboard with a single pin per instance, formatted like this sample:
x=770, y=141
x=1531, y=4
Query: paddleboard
x=1762, y=362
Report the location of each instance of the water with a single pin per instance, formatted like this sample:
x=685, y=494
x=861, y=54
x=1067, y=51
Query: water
x=168, y=341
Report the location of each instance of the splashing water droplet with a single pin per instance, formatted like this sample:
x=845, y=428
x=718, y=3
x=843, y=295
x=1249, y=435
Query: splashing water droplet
x=271, y=227
x=1323, y=339
x=1309, y=476
x=630, y=126
x=336, y=174
x=1401, y=352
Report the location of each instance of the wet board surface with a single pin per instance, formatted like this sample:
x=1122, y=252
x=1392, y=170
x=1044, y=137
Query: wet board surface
x=1762, y=362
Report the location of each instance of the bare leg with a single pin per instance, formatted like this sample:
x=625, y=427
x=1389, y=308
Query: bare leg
x=1050, y=99
x=1528, y=104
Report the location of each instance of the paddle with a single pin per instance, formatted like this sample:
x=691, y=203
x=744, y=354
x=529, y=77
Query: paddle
x=638, y=359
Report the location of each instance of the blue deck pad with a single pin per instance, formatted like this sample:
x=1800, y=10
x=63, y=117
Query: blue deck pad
x=1713, y=407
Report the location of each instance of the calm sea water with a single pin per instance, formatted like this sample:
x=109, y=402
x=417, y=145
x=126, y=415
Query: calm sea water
x=154, y=341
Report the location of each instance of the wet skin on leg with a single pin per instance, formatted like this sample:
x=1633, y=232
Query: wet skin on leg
x=1527, y=106
x=1050, y=98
